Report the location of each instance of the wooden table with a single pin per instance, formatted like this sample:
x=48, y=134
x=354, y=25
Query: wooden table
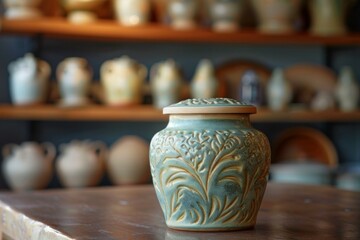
x=287, y=212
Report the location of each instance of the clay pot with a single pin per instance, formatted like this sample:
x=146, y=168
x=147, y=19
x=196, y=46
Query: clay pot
x=204, y=83
x=28, y=166
x=128, y=161
x=82, y=11
x=22, y=9
x=209, y=166
x=132, y=13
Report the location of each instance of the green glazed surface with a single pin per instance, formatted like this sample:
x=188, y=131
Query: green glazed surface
x=210, y=174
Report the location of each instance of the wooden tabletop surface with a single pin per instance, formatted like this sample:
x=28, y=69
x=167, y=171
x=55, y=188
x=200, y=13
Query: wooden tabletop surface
x=287, y=212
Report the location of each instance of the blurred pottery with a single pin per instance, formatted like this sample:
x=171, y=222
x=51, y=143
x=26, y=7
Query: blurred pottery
x=279, y=91
x=347, y=91
x=28, y=166
x=183, y=13
x=122, y=80
x=250, y=89
x=306, y=172
x=29, y=80
x=22, y=9
x=82, y=11
x=132, y=13
x=348, y=177
x=328, y=16
x=209, y=166
x=128, y=161
x=323, y=101
x=166, y=83
x=205, y=83
x=81, y=163
x=74, y=77
x=225, y=14
x=277, y=16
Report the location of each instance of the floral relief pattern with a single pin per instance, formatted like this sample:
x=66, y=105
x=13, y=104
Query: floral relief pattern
x=210, y=178
x=210, y=101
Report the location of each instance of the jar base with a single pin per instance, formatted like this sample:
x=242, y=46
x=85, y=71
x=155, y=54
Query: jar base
x=211, y=229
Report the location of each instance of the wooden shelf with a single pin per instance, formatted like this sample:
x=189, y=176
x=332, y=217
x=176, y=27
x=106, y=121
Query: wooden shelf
x=149, y=113
x=110, y=30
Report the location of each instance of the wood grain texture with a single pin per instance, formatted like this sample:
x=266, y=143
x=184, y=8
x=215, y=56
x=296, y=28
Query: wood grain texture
x=149, y=113
x=287, y=212
x=110, y=30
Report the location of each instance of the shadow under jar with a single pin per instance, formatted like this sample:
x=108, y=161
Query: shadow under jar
x=210, y=166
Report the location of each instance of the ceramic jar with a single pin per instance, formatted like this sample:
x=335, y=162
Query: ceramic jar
x=132, y=13
x=122, y=80
x=28, y=166
x=128, y=161
x=209, y=165
x=204, y=83
x=29, y=80
x=22, y=9
x=74, y=78
x=347, y=90
x=81, y=11
x=183, y=13
x=225, y=14
x=81, y=163
x=277, y=16
x=279, y=91
x=166, y=83
x=328, y=16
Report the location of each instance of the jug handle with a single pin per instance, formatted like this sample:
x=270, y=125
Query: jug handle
x=60, y=70
x=49, y=149
x=8, y=149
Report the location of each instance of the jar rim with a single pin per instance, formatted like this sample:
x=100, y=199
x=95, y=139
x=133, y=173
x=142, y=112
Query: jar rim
x=210, y=106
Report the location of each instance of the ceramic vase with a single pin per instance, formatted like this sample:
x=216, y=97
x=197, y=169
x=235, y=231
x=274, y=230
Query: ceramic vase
x=74, y=78
x=277, y=16
x=204, y=84
x=128, y=161
x=347, y=90
x=279, y=91
x=28, y=166
x=250, y=89
x=323, y=101
x=29, y=80
x=225, y=14
x=81, y=11
x=132, y=13
x=328, y=16
x=209, y=165
x=166, y=83
x=81, y=164
x=22, y=9
x=183, y=13
x=122, y=80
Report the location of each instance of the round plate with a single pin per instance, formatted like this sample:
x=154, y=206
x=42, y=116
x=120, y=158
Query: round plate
x=304, y=144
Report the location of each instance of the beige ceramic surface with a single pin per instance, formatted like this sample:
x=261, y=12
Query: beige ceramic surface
x=128, y=161
x=304, y=144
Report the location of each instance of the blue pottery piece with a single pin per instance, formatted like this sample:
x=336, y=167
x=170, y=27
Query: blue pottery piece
x=209, y=166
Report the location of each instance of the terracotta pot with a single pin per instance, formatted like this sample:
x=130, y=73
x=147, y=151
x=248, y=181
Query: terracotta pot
x=209, y=166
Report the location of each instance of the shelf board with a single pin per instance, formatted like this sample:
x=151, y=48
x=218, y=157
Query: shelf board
x=149, y=113
x=110, y=30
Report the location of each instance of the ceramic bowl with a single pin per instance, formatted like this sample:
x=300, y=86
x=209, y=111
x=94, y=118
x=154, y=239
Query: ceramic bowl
x=81, y=11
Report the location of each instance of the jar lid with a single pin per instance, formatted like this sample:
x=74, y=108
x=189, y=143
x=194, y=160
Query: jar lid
x=209, y=105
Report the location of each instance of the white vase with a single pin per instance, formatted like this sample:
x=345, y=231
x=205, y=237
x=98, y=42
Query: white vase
x=277, y=16
x=74, y=78
x=183, y=13
x=323, y=101
x=128, y=161
x=279, y=91
x=166, y=83
x=347, y=90
x=225, y=14
x=328, y=16
x=132, y=13
x=22, y=9
x=28, y=166
x=204, y=83
x=122, y=80
x=29, y=80
x=81, y=164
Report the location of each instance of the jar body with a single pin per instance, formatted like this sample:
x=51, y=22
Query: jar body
x=210, y=171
